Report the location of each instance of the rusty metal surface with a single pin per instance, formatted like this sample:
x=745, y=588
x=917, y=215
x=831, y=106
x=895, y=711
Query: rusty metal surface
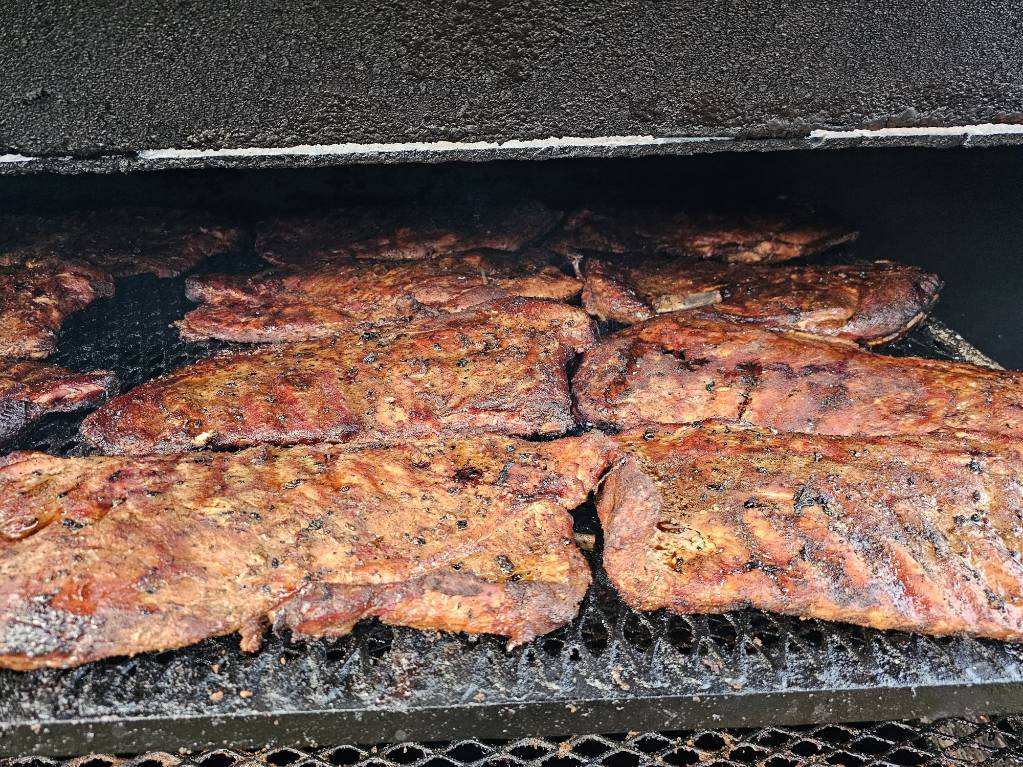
x=96, y=83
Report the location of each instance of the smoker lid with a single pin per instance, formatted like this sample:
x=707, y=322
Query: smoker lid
x=91, y=87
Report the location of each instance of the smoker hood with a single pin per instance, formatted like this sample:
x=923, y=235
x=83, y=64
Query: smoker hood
x=204, y=84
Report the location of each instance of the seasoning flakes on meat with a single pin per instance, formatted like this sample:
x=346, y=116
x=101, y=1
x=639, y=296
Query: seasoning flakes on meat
x=498, y=368
x=31, y=390
x=770, y=235
x=681, y=367
x=104, y=557
x=401, y=232
x=915, y=533
x=325, y=300
x=871, y=302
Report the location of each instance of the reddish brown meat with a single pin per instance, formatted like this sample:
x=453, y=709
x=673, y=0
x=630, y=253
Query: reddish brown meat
x=31, y=390
x=38, y=291
x=678, y=368
x=151, y=240
x=52, y=267
x=323, y=301
x=126, y=241
x=872, y=303
x=497, y=368
x=401, y=232
x=105, y=557
x=773, y=235
x=913, y=533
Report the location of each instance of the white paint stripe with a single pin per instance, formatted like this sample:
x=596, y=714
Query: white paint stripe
x=984, y=129
x=327, y=150
x=314, y=150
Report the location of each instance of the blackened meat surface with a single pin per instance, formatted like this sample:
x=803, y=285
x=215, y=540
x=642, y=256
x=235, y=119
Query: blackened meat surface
x=494, y=368
x=920, y=534
x=38, y=290
x=325, y=300
x=126, y=241
x=678, y=368
x=871, y=303
x=104, y=557
x=768, y=236
x=401, y=232
x=31, y=390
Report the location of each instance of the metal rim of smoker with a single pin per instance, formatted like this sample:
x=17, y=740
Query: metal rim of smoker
x=520, y=720
x=984, y=741
x=330, y=155
x=612, y=670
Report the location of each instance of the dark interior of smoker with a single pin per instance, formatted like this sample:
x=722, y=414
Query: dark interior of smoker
x=957, y=212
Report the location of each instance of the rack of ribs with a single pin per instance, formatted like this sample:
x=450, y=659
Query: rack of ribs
x=121, y=242
x=38, y=291
x=768, y=236
x=916, y=533
x=678, y=368
x=870, y=302
x=30, y=390
x=159, y=241
x=103, y=557
x=401, y=232
x=494, y=368
x=53, y=267
x=324, y=300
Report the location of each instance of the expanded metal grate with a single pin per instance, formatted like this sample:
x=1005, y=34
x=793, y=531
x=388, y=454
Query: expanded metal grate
x=611, y=670
x=992, y=742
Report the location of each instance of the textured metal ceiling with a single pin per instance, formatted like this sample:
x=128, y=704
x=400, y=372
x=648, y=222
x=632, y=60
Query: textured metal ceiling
x=100, y=81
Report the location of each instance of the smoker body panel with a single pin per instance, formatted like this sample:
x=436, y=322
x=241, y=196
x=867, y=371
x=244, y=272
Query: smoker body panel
x=91, y=87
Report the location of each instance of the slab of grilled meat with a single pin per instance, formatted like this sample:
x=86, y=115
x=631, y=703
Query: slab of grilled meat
x=104, y=557
x=125, y=241
x=401, y=232
x=871, y=302
x=51, y=267
x=919, y=533
x=678, y=368
x=495, y=368
x=322, y=301
x=38, y=291
x=768, y=236
x=30, y=390
x=158, y=241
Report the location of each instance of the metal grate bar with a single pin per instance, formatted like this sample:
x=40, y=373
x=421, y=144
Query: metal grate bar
x=950, y=742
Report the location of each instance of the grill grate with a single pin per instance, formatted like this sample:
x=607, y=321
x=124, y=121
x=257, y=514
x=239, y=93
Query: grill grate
x=992, y=742
x=610, y=670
